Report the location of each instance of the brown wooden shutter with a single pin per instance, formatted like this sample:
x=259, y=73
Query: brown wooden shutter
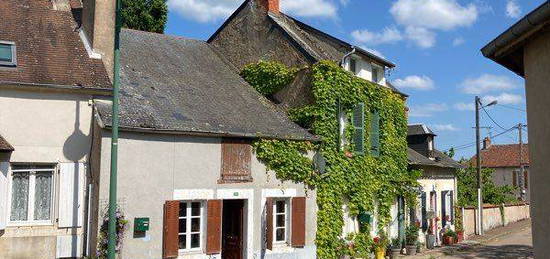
x=298, y=217
x=214, y=227
x=269, y=223
x=171, y=228
x=236, y=157
x=526, y=180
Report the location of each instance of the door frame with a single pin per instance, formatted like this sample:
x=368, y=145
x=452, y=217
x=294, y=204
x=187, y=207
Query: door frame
x=247, y=195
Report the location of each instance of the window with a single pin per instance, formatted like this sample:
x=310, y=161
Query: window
x=375, y=73
x=7, y=54
x=281, y=218
x=31, y=194
x=359, y=128
x=190, y=226
x=375, y=133
x=353, y=66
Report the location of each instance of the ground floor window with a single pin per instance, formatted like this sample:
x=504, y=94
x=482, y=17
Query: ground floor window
x=190, y=225
x=31, y=193
x=281, y=218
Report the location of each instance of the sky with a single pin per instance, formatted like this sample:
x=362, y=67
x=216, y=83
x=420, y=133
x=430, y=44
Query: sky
x=434, y=43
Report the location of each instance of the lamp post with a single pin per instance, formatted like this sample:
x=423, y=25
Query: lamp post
x=478, y=166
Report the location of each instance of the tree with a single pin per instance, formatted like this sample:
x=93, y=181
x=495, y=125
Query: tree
x=492, y=194
x=145, y=15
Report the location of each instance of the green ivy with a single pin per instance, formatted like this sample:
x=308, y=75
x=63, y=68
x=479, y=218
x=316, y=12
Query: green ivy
x=365, y=181
x=268, y=77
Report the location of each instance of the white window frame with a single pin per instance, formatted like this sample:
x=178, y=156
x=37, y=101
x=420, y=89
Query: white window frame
x=287, y=221
x=13, y=61
x=380, y=71
x=30, y=209
x=188, y=217
x=356, y=70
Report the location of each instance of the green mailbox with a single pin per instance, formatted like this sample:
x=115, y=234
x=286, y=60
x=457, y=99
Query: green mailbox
x=141, y=224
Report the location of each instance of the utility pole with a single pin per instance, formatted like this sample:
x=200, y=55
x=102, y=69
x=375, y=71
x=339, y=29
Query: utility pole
x=521, y=167
x=478, y=167
x=112, y=235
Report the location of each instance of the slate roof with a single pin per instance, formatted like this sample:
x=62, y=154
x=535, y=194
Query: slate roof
x=182, y=85
x=502, y=156
x=5, y=146
x=419, y=129
x=49, y=48
x=441, y=160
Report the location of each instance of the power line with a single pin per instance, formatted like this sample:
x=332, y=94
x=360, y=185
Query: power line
x=468, y=145
x=512, y=107
x=492, y=118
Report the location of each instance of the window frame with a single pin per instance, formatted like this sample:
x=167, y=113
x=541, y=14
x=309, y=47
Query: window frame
x=287, y=221
x=379, y=70
x=189, y=233
x=32, y=170
x=13, y=62
x=353, y=69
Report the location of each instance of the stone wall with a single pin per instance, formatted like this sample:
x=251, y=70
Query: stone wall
x=494, y=216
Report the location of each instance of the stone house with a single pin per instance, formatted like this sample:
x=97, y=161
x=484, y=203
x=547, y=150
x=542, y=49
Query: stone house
x=438, y=193
x=48, y=79
x=524, y=49
x=505, y=160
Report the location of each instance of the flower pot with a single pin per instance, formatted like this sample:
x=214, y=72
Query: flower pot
x=394, y=252
x=448, y=240
x=419, y=249
x=460, y=235
x=430, y=241
x=380, y=253
x=411, y=249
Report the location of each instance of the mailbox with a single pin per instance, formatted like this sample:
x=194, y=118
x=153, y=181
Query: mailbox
x=141, y=224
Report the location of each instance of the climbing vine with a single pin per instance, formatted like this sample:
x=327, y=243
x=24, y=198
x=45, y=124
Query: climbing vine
x=367, y=183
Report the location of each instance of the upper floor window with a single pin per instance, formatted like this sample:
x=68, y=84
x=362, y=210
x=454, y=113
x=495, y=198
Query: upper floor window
x=7, y=53
x=376, y=73
x=31, y=194
x=353, y=66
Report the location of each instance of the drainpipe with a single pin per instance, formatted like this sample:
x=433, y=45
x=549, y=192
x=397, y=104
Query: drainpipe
x=343, y=61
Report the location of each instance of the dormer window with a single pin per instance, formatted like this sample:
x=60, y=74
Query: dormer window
x=7, y=54
x=376, y=73
x=353, y=66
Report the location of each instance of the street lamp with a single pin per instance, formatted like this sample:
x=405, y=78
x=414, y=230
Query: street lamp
x=479, y=106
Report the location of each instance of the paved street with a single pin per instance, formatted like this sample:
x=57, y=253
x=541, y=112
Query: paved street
x=513, y=241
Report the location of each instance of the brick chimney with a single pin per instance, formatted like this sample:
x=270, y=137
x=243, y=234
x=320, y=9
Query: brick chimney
x=486, y=143
x=271, y=5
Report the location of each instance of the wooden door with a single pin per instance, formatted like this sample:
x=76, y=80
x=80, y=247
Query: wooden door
x=232, y=233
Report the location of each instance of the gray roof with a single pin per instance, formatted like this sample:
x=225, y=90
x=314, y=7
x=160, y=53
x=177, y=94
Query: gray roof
x=320, y=45
x=441, y=160
x=507, y=48
x=419, y=129
x=177, y=84
x=5, y=146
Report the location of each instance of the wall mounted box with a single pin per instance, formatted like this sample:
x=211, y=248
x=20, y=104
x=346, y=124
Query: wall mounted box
x=141, y=224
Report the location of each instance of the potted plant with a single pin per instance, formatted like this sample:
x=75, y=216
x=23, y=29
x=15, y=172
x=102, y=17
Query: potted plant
x=430, y=237
x=449, y=236
x=380, y=244
x=419, y=247
x=411, y=237
x=395, y=247
x=459, y=227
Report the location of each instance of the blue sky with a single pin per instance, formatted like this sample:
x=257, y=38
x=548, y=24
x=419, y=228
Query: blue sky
x=435, y=44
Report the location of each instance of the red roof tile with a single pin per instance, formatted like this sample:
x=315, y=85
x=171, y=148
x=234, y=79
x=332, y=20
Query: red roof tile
x=49, y=48
x=503, y=156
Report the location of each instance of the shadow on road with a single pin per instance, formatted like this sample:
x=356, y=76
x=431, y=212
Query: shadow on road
x=486, y=251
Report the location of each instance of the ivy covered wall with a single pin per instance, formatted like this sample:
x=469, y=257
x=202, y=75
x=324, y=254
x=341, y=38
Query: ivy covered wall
x=365, y=181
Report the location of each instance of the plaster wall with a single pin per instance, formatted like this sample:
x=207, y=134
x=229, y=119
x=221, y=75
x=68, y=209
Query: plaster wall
x=154, y=168
x=504, y=176
x=537, y=65
x=365, y=69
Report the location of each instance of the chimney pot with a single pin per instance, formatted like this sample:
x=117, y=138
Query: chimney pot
x=486, y=143
x=271, y=5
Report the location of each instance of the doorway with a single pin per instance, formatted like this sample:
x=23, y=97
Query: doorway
x=232, y=229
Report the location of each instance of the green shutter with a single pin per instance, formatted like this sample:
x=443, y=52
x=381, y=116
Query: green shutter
x=375, y=133
x=359, y=126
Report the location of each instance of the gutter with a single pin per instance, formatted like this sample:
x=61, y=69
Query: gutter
x=536, y=18
x=346, y=56
x=92, y=90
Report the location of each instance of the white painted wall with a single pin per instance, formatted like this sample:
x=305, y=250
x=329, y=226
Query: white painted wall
x=365, y=69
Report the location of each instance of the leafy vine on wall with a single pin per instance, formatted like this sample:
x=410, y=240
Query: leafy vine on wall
x=366, y=182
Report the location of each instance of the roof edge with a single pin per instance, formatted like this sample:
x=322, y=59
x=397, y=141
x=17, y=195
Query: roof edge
x=91, y=90
x=227, y=21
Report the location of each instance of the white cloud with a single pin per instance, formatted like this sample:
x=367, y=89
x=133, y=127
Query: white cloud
x=434, y=14
x=458, y=41
x=388, y=35
x=444, y=127
x=415, y=82
x=513, y=10
x=427, y=110
x=487, y=83
x=465, y=106
x=344, y=2
x=503, y=98
x=373, y=51
x=422, y=37
x=204, y=10
x=310, y=8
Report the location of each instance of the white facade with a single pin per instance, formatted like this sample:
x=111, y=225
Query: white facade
x=365, y=69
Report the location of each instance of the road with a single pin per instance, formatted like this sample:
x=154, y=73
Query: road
x=513, y=241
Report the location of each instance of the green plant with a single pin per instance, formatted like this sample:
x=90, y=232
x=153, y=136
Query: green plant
x=121, y=224
x=411, y=234
x=363, y=179
x=450, y=233
x=458, y=220
x=381, y=241
x=395, y=243
x=145, y=15
x=492, y=194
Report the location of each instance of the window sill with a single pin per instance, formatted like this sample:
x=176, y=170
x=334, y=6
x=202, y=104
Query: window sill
x=29, y=224
x=196, y=251
x=281, y=248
